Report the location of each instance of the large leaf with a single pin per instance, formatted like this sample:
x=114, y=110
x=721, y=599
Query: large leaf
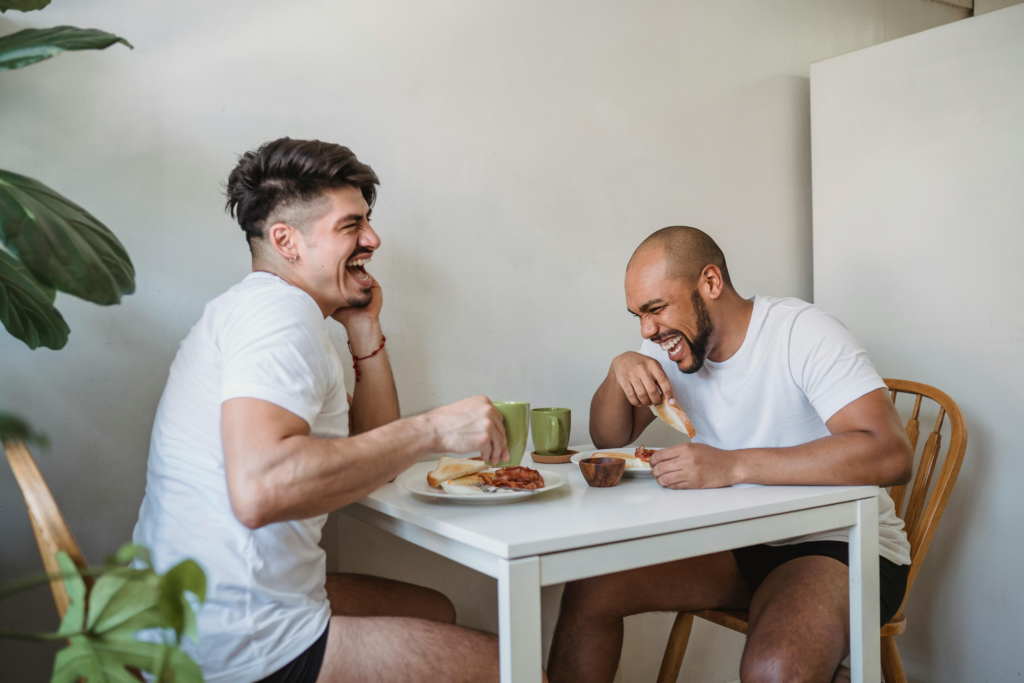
x=63, y=245
x=102, y=627
x=26, y=306
x=23, y=5
x=13, y=427
x=103, y=660
x=36, y=44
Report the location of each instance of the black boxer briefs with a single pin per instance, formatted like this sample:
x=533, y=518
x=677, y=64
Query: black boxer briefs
x=758, y=561
x=305, y=668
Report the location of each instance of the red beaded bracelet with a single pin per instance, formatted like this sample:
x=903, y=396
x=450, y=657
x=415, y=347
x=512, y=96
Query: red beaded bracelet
x=355, y=360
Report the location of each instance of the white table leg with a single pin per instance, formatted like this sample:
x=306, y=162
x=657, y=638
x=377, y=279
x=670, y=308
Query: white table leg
x=865, y=653
x=519, y=620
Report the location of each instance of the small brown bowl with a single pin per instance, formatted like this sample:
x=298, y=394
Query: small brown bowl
x=602, y=472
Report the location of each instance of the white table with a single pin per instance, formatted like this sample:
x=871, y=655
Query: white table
x=578, y=531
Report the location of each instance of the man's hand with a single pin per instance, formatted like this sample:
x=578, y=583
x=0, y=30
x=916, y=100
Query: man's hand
x=363, y=324
x=472, y=424
x=642, y=379
x=694, y=466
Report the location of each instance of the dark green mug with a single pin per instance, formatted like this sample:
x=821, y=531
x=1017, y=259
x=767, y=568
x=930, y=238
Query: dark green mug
x=550, y=427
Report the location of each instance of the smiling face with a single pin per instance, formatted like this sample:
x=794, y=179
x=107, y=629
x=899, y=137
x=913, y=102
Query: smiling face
x=332, y=253
x=671, y=311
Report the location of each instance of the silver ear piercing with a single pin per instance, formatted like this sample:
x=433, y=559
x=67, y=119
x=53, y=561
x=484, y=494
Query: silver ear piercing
x=291, y=260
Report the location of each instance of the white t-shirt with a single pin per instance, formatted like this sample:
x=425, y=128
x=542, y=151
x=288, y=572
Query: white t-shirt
x=265, y=600
x=797, y=367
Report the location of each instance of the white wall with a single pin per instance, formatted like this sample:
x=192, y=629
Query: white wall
x=918, y=177
x=525, y=149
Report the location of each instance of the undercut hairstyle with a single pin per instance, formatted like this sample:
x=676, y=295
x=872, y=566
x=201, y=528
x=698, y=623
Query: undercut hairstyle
x=285, y=180
x=689, y=252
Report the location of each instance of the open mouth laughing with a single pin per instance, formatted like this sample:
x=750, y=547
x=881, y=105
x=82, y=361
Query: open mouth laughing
x=357, y=270
x=674, y=345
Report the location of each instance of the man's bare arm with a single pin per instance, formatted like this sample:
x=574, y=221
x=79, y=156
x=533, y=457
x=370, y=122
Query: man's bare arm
x=276, y=471
x=375, y=398
x=620, y=410
x=867, y=446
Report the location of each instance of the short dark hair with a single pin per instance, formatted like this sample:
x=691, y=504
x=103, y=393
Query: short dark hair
x=285, y=172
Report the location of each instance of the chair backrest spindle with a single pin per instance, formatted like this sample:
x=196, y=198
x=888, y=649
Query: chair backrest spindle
x=48, y=525
x=923, y=511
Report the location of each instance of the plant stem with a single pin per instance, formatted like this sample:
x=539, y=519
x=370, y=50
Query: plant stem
x=26, y=635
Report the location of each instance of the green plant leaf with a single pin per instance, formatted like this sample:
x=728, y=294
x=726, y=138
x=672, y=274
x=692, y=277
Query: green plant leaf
x=132, y=551
x=74, y=617
x=120, y=599
x=13, y=427
x=36, y=44
x=26, y=307
x=63, y=245
x=177, y=612
x=101, y=660
x=23, y=5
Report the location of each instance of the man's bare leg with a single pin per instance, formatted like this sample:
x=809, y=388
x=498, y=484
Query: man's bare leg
x=406, y=650
x=383, y=630
x=799, y=624
x=588, y=637
x=359, y=595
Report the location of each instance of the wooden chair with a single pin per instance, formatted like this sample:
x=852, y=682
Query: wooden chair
x=920, y=522
x=52, y=533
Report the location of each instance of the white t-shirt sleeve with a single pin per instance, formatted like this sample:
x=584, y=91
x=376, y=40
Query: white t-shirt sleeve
x=828, y=364
x=278, y=356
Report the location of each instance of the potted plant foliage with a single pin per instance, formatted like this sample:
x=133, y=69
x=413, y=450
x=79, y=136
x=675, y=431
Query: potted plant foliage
x=48, y=243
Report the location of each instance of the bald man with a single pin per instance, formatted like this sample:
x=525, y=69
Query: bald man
x=779, y=393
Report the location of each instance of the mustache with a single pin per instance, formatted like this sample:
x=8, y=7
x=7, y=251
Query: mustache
x=658, y=338
x=360, y=251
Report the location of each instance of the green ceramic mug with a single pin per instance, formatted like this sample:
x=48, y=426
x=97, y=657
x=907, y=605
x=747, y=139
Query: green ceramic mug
x=550, y=428
x=516, y=416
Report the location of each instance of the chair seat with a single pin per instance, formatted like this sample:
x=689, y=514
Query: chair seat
x=737, y=621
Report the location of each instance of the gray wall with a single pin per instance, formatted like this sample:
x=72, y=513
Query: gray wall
x=918, y=170
x=525, y=149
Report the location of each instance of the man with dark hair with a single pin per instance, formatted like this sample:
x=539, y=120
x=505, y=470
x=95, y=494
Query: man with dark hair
x=256, y=440
x=779, y=392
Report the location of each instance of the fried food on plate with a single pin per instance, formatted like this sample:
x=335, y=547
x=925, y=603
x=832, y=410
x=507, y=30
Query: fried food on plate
x=518, y=478
x=640, y=460
x=674, y=416
x=454, y=468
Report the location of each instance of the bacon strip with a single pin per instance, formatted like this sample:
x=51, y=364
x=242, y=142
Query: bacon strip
x=643, y=454
x=517, y=478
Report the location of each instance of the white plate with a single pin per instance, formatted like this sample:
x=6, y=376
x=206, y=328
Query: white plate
x=630, y=471
x=418, y=485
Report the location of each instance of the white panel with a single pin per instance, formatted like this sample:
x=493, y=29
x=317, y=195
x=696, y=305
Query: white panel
x=918, y=172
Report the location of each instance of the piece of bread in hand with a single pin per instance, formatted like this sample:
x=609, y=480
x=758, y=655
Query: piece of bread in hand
x=675, y=417
x=453, y=468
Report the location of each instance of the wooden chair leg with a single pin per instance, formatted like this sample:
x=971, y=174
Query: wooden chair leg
x=892, y=666
x=676, y=648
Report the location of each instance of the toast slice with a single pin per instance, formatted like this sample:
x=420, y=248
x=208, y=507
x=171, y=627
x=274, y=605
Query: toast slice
x=675, y=417
x=614, y=454
x=464, y=486
x=453, y=468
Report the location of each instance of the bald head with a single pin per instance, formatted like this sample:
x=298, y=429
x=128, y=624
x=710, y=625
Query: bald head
x=687, y=250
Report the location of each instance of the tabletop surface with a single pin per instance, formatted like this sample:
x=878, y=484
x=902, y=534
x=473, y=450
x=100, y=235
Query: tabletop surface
x=577, y=515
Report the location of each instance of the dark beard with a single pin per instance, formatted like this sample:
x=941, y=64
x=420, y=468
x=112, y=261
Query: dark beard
x=362, y=301
x=699, y=345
